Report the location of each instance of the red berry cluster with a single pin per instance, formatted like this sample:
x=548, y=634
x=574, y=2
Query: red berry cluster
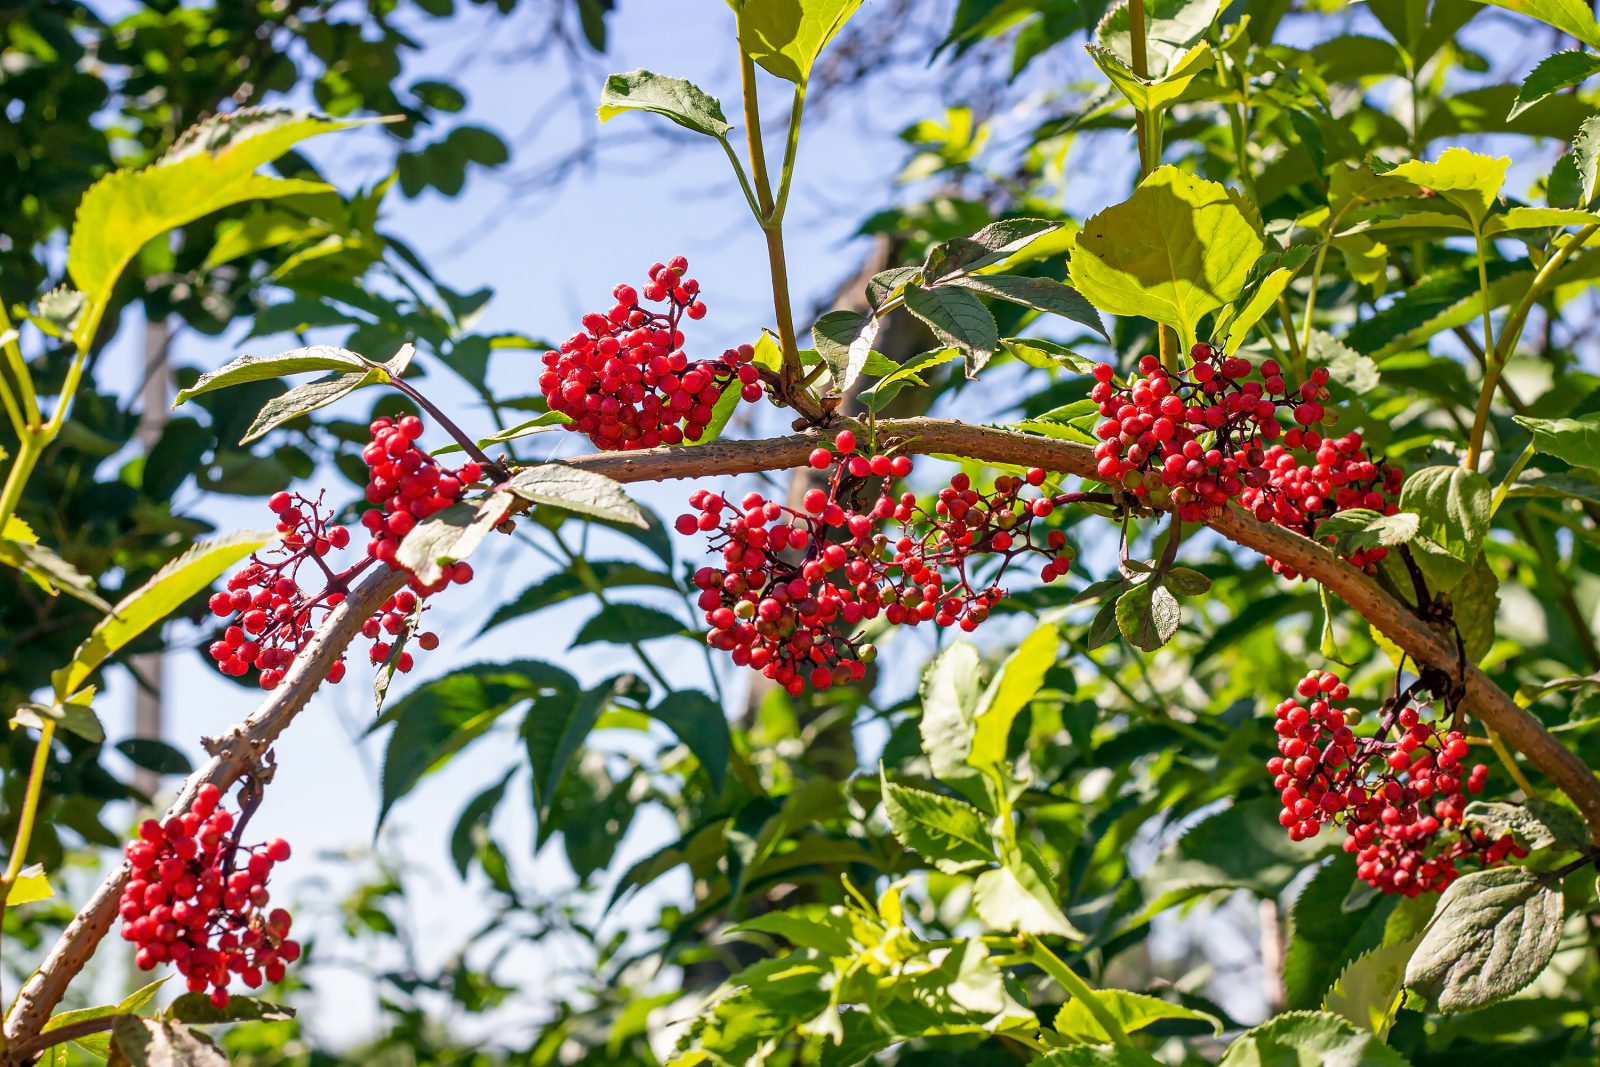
x=1396, y=798
x=408, y=485
x=274, y=617
x=1342, y=476
x=796, y=583
x=198, y=899
x=1196, y=439
x=625, y=381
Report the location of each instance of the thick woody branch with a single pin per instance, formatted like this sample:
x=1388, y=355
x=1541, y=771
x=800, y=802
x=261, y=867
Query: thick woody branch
x=244, y=743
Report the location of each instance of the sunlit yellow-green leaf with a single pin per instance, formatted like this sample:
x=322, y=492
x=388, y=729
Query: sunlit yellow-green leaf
x=1572, y=17
x=1466, y=179
x=1176, y=250
x=786, y=36
x=31, y=885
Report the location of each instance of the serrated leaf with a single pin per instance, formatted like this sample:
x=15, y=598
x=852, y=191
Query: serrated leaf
x=450, y=535
x=554, y=735
x=950, y=689
x=844, y=340
x=1104, y=625
x=50, y=572
x=1133, y=1011
x=261, y=368
x=1045, y=355
x=683, y=102
x=1492, y=934
x=909, y=372
x=1536, y=823
x=1586, y=159
x=786, y=36
x=1346, y=366
x=1358, y=528
x=1452, y=507
x=1175, y=251
x=957, y=318
x=1369, y=991
x=1262, y=300
x=158, y=1043
x=579, y=491
x=1576, y=441
x=1041, y=294
x=1466, y=179
x=75, y=716
x=1019, y=897
x=153, y=601
x=1572, y=17
x=994, y=243
x=1172, y=28
x=1309, y=1039
x=212, y=166
x=1148, y=615
x=623, y=623
x=950, y=834
x=1153, y=94
x=304, y=399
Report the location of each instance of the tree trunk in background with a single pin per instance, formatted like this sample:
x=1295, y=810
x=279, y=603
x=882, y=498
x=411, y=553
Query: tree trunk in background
x=155, y=395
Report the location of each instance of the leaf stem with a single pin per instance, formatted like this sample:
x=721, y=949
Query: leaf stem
x=1510, y=333
x=25, y=820
x=1074, y=984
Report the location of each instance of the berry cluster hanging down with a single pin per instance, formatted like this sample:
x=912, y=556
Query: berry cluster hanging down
x=796, y=584
x=1198, y=439
x=277, y=601
x=198, y=899
x=1341, y=476
x=625, y=381
x=1397, y=793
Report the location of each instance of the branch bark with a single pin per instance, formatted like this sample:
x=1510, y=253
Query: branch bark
x=245, y=742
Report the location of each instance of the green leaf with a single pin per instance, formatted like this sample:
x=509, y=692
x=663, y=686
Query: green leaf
x=844, y=340
x=1172, y=28
x=1466, y=179
x=1047, y=355
x=950, y=834
x=1452, y=508
x=166, y=591
x=197, y=1008
x=155, y=756
x=1349, y=368
x=994, y=243
x=49, y=571
x=304, y=399
x=1309, y=1039
x=698, y=721
x=1536, y=822
x=1515, y=219
x=76, y=716
x=439, y=719
x=1586, y=160
x=950, y=688
x=1178, y=249
x=1358, y=528
x=1263, y=300
x=1327, y=931
x=1096, y=1056
x=553, y=736
x=1185, y=581
x=1020, y=897
x=957, y=318
x=1153, y=94
x=450, y=536
x=1148, y=615
x=212, y=166
x=623, y=624
x=157, y=1043
x=1576, y=441
x=563, y=585
x=1041, y=294
x=29, y=886
x=1241, y=847
x=1493, y=933
x=1369, y=991
x=261, y=368
x=1572, y=17
x=683, y=102
x=1134, y=1011
x=786, y=36
x=472, y=826
x=1013, y=686
x=1475, y=598
x=548, y=421
x=576, y=490
x=889, y=386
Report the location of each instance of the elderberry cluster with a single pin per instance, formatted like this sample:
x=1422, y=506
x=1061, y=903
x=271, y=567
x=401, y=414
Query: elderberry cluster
x=625, y=381
x=796, y=583
x=1397, y=793
x=1342, y=476
x=197, y=898
x=1197, y=438
x=273, y=615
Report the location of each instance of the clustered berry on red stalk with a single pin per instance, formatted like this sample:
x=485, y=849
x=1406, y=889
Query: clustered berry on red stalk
x=625, y=381
x=1396, y=793
x=1197, y=439
x=1343, y=476
x=274, y=616
x=797, y=583
x=197, y=898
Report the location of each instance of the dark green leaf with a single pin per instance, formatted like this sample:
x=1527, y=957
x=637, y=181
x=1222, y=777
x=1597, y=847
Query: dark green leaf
x=958, y=318
x=554, y=731
x=155, y=756
x=951, y=834
x=1041, y=294
x=1493, y=933
x=1148, y=615
x=563, y=585
x=684, y=103
x=625, y=624
x=698, y=721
